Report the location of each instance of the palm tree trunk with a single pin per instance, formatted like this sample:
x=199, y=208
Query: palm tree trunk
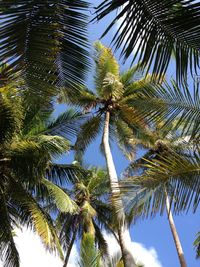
x=175, y=234
x=70, y=247
x=124, y=236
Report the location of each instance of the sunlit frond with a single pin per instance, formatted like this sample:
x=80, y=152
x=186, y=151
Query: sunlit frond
x=30, y=157
x=105, y=64
x=100, y=240
x=80, y=97
x=131, y=75
x=32, y=214
x=89, y=255
x=63, y=201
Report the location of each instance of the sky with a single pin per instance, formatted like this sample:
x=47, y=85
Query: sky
x=152, y=241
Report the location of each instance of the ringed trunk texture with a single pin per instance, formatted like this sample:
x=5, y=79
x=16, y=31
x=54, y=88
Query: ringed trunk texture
x=70, y=247
x=123, y=232
x=175, y=234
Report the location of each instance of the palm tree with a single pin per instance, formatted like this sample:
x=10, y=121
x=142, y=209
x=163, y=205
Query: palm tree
x=176, y=174
x=175, y=155
x=89, y=191
x=107, y=110
x=131, y=109
x=159, y=144
x=151, y=31
x=171, y=174
x=45, y=42
x=26, y=153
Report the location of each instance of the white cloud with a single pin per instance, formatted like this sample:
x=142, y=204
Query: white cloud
x=32, y=252
x=147, y=256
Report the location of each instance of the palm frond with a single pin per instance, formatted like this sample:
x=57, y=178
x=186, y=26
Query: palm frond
x=53, y=145
x=89, y=254
x=8, y=250
x=105, y=64
x=176, y=174
x=131, y=75
x=100, y=240
x=97, y=181
x=125, y=139
x=9, y=123
x=80, y=97
x=32, y=214
x=44, y=41
x=153, y=30
x=29, y=158
x=64, y=173
x=132, y=118
x=67, y=124
x=169, y=102
x=63, y=202
x=88, y=132
x=111, y=86
x=197, y=245
x=37, y=112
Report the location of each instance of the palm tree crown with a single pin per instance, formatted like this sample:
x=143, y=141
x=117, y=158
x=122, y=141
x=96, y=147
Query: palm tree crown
x=113, y=91
x=27, y=150
x=90, y=192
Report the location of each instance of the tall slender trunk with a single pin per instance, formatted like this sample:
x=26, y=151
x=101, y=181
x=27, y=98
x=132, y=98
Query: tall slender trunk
x=70, y=247
x=124, y=236
x=175, y=234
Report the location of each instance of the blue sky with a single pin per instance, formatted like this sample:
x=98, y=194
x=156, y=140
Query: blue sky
x=153, y=232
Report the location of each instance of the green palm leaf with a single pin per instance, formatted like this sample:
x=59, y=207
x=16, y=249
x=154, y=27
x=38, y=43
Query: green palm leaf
x=33, y=214
x=89, y=254
x=79, y=97
x=105, y=64
x=10, y=123
x=171, y=104
x=63, y=173
x=8, y=249
x=45, y=41
x=126, y=141
x=131, y=75
x=177, y=174
x=54, y=145
x=30, y=157
x=88, y=132
x=63, y=202
x=67, y=124
x=153, y=30
x=100, y=240
x=197, y=245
